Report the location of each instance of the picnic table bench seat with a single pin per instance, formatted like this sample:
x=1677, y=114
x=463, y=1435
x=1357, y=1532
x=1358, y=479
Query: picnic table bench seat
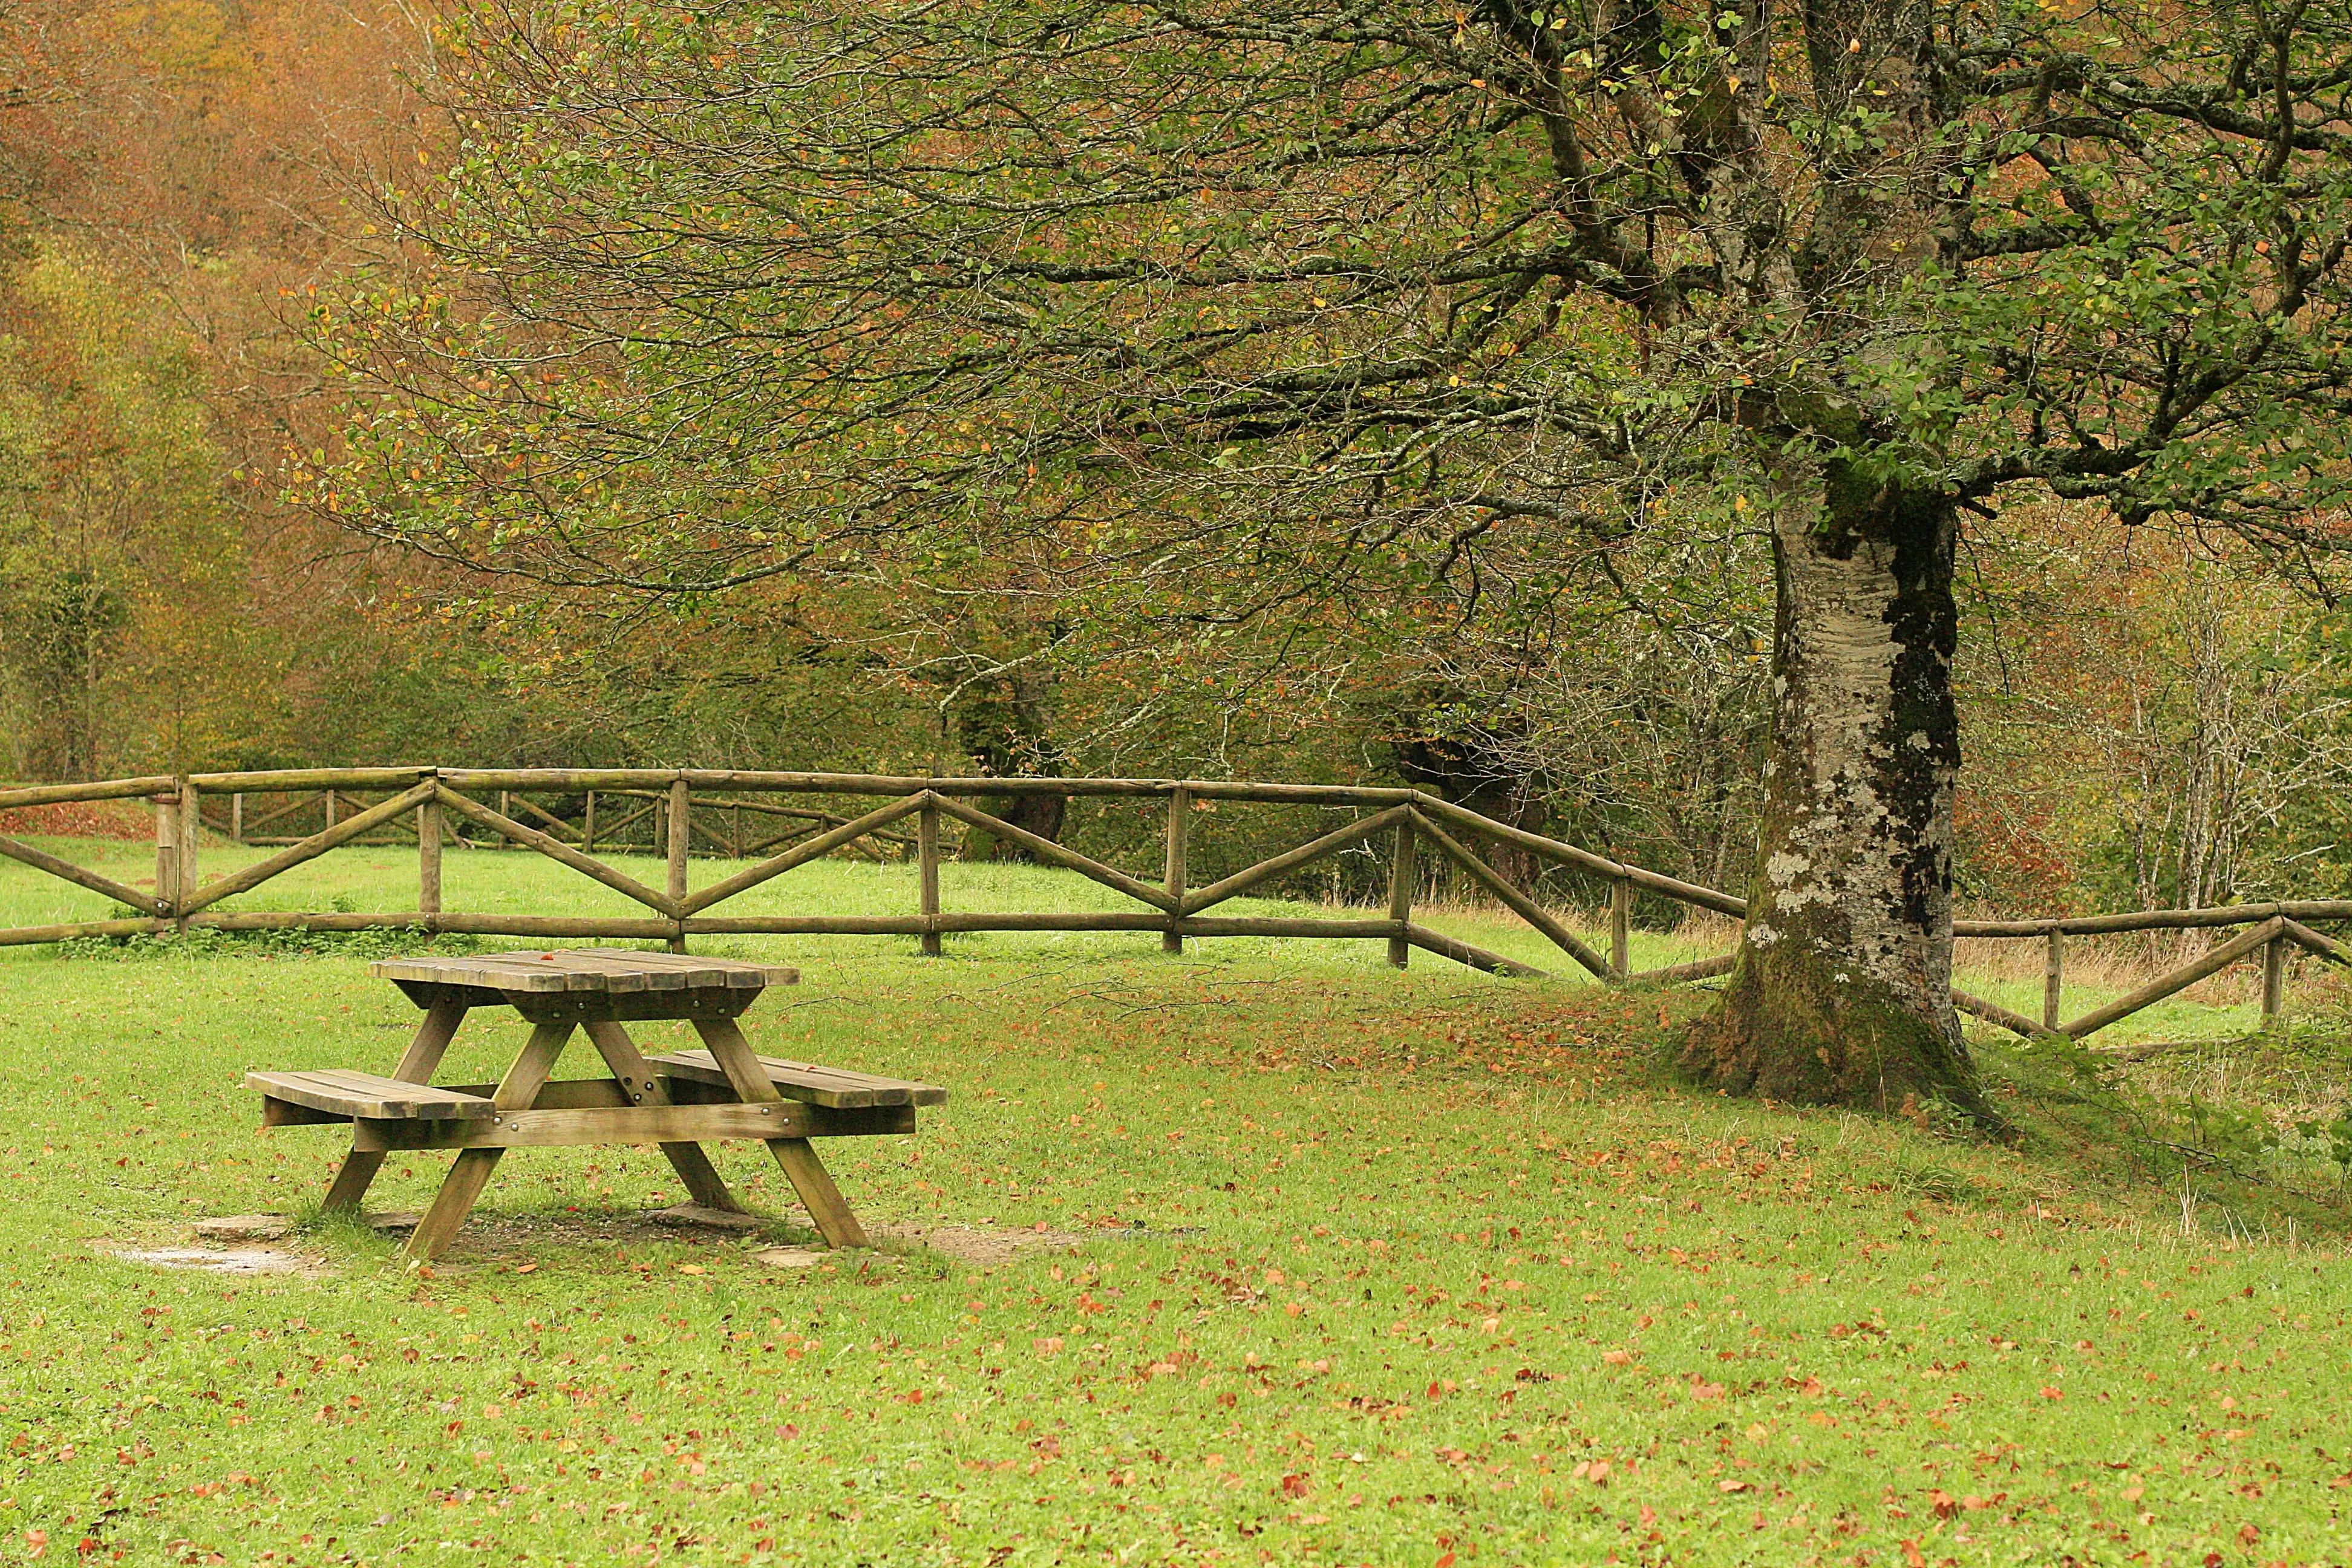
x=356, y=1094
x=834, y=1088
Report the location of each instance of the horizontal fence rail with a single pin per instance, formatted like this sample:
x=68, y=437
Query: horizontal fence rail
x=675, y=813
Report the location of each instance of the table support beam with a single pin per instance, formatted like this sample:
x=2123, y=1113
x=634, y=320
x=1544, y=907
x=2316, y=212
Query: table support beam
x=835, y=1221
x=417, y=1064
x=471, y=1170
x=637, y=1079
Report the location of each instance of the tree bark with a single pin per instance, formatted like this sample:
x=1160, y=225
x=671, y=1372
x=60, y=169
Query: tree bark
x=1841, y=994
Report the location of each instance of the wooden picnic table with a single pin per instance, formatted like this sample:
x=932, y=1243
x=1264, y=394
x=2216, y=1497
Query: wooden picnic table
x=676, y=1100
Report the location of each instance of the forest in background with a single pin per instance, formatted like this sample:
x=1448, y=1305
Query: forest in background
x=186, y=185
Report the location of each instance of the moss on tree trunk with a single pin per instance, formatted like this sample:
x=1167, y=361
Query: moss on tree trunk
x=1843, y=989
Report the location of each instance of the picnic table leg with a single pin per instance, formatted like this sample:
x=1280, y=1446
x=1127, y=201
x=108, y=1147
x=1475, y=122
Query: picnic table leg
x=835, y=1220
x=703, y=1182
x=417, y=1065
x=471, y=1170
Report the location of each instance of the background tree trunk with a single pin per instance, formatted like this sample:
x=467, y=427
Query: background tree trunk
x=1007, y=729
x=1843, y=990
x=1489, y=773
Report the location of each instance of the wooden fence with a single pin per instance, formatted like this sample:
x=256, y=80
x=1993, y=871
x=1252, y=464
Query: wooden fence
x=672, y=810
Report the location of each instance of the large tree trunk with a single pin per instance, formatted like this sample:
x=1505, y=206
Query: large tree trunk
x=1843, y=990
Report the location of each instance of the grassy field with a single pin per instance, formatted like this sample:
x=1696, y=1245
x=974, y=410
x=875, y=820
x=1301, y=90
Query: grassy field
x=1345, y=1266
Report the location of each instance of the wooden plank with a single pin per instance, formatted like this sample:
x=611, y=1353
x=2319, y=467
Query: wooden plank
x=778, y=1121
x=680, y=821
x=613, y=829
x=2163, y=920
x=2188, y=975
x=926, y=862
x=395, y=826
x=815, y=848
x=2311, y=940
x=1179, y=839
x=1697, y=969
x=266, y=819
x=192, y=835
x=630, y=1006
x=835, y=1221
x=819, y=1084
x=561, y=780
x=2274, y=954
x=103, y=789
x=619, y=928
x=564, y=1094
x=428, y=857
x=637, y=1080
x=927, y=865
x=2053, y=979
x=283, y=779
x=1621, y=925
x=555, y=850
x=468, y=1174
x=167, y=852
x=81, y=876
x=594, y=969
x=764, y=782
x=1284, y=925
x=1519, y=902
x=1403, y=870
x=1993, y=1012
x=1463, y=952
x=418, y=1063
x=914, y=925
x=561, y=827
x=1047, y=849
x=1290, y=860
x=471, y=1169
x=1584, y=859
x=316, y=845
x=763, y=846
x=346, y=1092
x=25, y=936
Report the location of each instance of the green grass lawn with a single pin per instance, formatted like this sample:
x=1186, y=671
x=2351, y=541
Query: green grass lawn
x=1377, y=1268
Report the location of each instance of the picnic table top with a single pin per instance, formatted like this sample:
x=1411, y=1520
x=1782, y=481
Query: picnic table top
x=595, y=969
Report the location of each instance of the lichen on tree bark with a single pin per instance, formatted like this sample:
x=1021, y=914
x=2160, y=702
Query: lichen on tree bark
x=1843, y=989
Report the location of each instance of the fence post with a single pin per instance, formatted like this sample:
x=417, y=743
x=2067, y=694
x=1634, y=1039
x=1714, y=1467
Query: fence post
x=588, y=831
x=1621, y=926
x=926, y=857
x=2054, y=977
x=2275, y=957
x=1400, y=880
x=681, y=824
x=167, y=849
x=428, y=857
x=506, y=808
x=192, y=832
x=236, y=817
x=328, y=799
x=1179, y=829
